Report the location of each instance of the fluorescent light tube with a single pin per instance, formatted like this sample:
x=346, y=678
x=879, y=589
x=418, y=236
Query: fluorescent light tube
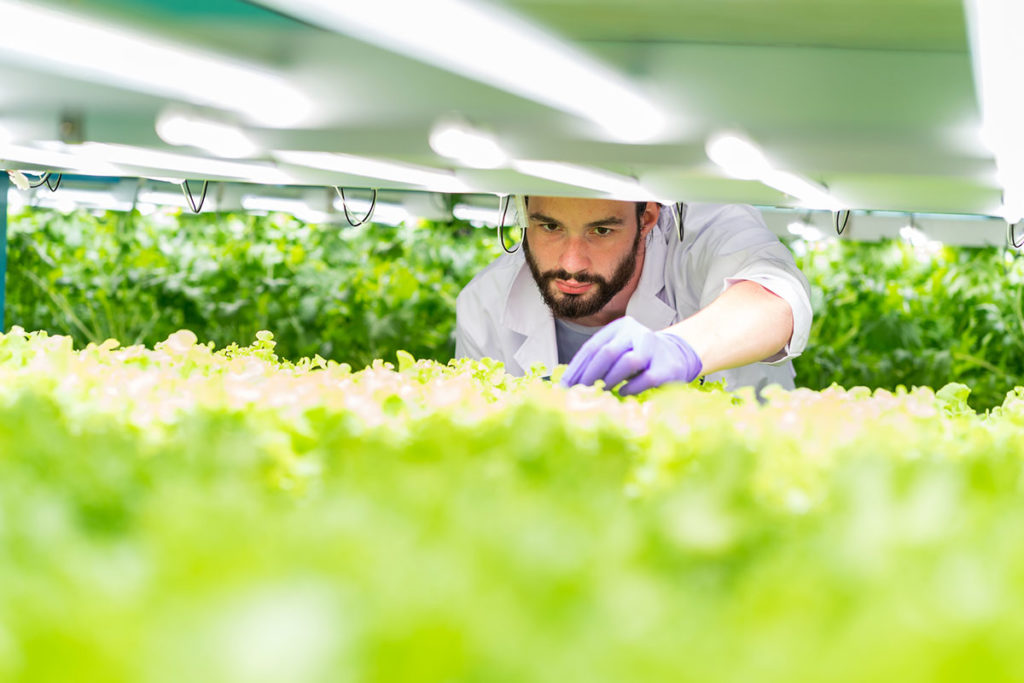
x=84, y=47
x=479, y=215
x=58, y=161
x=429, y=178
x=67, y=200
x=481, y=42
x=295, y=207
x=741, y=158
x=220, y=139
x=994, y=28
x=191, y=166
x=811, y=195
x=737, y=156
x=468, y=146
x=174, y=199
x=276, y=204
x=805, y=231
x=618, y=186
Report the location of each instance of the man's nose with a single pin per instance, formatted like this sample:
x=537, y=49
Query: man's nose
x=574, y=258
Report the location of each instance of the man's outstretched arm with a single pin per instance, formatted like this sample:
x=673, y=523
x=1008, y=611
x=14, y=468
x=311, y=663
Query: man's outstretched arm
x=747, y=323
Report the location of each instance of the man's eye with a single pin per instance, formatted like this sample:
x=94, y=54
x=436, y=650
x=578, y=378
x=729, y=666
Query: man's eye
x=601, y=231
x=548, y=227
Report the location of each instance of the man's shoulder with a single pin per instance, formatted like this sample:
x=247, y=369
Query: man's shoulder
x=702, y=216
x=495, y=277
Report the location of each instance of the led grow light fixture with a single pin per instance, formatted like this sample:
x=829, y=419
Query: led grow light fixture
x=744, y=160
x=75, y=44
x=191, y=166
x=494, y=47
x=994, y=28
x=615, y=185
x=470, y=147
x=218, y=138
x=434, y=179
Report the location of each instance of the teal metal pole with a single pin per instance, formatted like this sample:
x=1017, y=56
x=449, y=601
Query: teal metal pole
x=5, y=184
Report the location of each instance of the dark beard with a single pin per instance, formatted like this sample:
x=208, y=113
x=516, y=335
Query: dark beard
x=574, y=306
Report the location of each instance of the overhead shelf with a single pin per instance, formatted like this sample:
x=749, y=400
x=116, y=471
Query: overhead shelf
x=873, y=102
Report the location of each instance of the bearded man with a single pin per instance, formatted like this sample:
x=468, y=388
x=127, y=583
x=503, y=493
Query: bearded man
x=635, y=292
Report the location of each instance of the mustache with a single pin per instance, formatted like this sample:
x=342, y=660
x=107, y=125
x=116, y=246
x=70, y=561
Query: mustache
x=562, y=274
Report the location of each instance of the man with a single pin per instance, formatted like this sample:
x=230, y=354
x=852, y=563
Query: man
x=619, y=292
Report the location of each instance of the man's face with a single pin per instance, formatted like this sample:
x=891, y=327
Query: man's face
x=582, y=252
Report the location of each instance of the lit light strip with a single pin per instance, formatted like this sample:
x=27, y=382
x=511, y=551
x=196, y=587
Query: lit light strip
x=295, y=207
x=805, y=231
x=176, y=199
x=432, y=179
x=58, y=161
x=216, y=137
x=742, y=159
x=477, y=215
x=463, y=143
x=496, y=48
x=617, y=186
x=994, y=28
x=192, y=166
x=77, y=45
x=67, y=200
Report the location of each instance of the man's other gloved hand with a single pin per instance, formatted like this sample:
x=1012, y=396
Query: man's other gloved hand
x=625, y=349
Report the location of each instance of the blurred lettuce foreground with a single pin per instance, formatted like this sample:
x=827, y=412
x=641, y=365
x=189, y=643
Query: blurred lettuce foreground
x=185, y=514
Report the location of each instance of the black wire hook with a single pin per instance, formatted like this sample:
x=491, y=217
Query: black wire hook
x=45, y=180
x=348, y=216
x=1010, y=235
x=846, y=220
x=680, y=212
x=501, y=226
x=187, y=191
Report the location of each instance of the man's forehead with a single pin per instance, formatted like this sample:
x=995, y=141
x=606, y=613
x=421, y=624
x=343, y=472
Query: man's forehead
x=579, y=208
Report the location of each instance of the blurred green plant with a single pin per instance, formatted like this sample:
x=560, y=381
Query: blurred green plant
x=350, y=294
x=886, y=314
x=890, y=314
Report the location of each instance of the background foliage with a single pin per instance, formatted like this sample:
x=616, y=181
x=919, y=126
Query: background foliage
x=351, y=294
x=886, y=314
x=889, y=314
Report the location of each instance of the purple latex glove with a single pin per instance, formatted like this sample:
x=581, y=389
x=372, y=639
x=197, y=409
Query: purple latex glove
x=625, y=349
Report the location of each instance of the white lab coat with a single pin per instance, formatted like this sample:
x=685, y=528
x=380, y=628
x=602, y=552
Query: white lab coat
x=500, y=314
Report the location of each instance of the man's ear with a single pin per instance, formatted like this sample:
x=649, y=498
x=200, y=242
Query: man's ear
x=649, y=218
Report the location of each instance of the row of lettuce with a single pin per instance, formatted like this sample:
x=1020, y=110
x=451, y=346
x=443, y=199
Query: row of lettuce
x=184, y=514
x=885, y=314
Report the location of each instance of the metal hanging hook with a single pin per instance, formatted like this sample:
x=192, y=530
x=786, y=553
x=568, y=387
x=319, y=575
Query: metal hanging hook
x=45, y=180
x=845, y=220
x=680, y=212
x=187, y=191
x=501, y=225
x=1010, y=238
x=344, y=206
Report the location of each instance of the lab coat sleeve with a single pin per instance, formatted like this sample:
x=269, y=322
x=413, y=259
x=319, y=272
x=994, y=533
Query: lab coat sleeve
x=740, y=247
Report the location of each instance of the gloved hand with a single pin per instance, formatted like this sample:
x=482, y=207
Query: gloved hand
x=625, y=349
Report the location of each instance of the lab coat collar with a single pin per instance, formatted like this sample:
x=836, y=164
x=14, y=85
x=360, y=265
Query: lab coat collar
x=646, y=305
x=526, y=313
